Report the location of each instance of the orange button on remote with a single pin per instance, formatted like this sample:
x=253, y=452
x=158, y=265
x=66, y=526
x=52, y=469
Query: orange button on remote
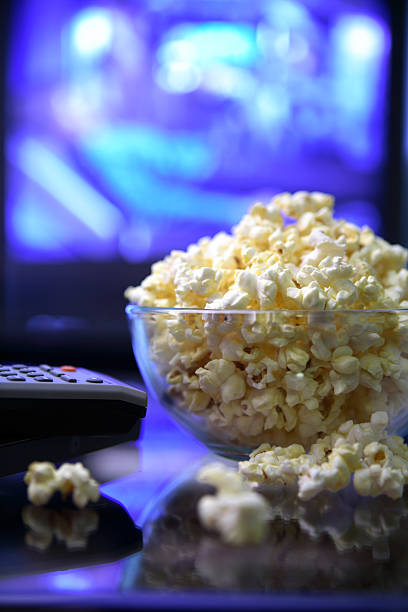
x=68, y=368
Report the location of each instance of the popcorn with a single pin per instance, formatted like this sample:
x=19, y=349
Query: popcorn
x=275, y=465
x=239, y=514
x=41, y=482
x=215, y=373
x=44, y=480
x=75, y=478
x=332, y=475
x=307, y=336
x=379, y=462
x=375, y=480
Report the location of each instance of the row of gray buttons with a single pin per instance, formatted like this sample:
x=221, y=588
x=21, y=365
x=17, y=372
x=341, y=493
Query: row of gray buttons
x=6, y=371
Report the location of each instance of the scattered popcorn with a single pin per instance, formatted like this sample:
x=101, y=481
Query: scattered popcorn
x=378, y=461
x=74, y=478
x=40, y=479
x=239, y=514
x=44, y=480
x=308, y=337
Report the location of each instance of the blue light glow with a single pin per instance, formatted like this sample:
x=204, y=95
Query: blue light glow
x=359, y=46
x=229, y=81
x=362, y=37
x=178, y=154
x=71, y=580
x=361, y=213
x=135, y=241
x=272, y=106
x=285, y=14
x=92, y=32
x=142, y=165
x=210, y=42
x=178, y=51
x=34, y=226
x=58, y=179
x=178, y=77
x=172, y=120
x=291, y=47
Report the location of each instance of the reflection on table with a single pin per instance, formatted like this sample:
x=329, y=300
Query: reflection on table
x=48, y=527
x=59, y=536
x=336, y=542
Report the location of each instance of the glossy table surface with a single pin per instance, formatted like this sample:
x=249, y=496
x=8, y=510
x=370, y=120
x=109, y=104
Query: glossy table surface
x=142, y=547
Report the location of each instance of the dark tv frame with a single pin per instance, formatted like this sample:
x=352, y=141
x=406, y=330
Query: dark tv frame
x=4, y=38
x=94, y=349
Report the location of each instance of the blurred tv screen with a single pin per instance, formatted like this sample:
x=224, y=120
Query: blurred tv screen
x=134, y=128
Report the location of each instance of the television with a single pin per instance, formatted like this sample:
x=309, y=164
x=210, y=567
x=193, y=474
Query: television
x=135, y=128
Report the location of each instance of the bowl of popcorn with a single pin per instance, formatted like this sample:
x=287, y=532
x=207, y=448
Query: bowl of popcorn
x=281, y=333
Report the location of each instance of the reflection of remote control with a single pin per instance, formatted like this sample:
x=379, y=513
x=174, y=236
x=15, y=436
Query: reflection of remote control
x=65, y=400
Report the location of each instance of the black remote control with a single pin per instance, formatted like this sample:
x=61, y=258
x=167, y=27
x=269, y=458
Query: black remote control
x=63, y=400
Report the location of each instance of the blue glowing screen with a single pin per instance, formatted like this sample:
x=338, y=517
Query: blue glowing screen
x=137, y=127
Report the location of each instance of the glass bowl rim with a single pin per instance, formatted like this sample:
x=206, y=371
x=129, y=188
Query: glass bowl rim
x=134, y=309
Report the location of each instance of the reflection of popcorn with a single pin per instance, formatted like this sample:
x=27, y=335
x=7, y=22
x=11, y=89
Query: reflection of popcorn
x=239, y=514
x=334, y=541
x=44, y=480
x=70, y=526
x=351, y=524
x=74, y=526
x=285, y=376
x=40, y=523
x=325, y=514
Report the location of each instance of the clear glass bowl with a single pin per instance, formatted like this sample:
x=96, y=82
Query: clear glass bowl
x=236, y=379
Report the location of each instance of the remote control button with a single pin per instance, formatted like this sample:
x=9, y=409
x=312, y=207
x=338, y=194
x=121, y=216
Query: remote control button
x=33, y=374
x=18, y=366
x=68, y=378
x=27, y=370
x=43, y=379
x=16, y=378
x=68, y=368
x=94, y=380
x=45, y=367
x=6, y=372
x=55, y=372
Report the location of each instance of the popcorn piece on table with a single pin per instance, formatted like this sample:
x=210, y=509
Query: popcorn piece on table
x=379, y=462
x=76, y=479
x=237, y=513
x=40, y=478
x=44, y=480
x=274, y=465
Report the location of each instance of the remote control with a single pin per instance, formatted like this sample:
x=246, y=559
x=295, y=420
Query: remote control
x=65, y=400
x=17, y=453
